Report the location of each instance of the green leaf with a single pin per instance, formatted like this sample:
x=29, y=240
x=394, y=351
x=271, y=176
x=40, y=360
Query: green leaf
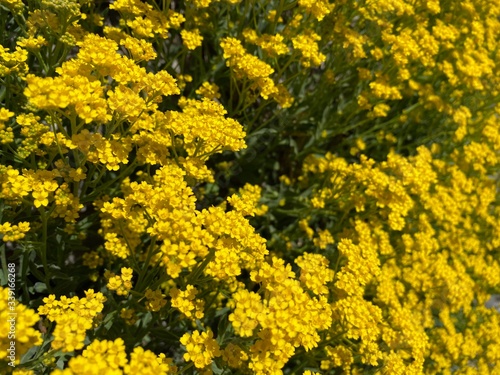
x=40, y=287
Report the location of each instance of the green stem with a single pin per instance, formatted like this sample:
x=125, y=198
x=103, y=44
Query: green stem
x=257, y=115
x=195, y=274
x=187, y=367
x=4, y=264
x=126, y=172
x=43, y=249
x=151, y=252
x=277, y=16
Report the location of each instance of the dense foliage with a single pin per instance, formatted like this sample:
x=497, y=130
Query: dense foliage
x=250, y=186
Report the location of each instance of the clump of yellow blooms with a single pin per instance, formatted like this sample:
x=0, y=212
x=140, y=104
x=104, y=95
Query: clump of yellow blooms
x=271, y=44
x=17, y=327
x=92, y=259
x=73, y=317
x=201, y=348
x=314, y=273
x=319, y=8
x=191, y=38
x=186, y=303
x=248, y=308
x=324, y=239
x=247, y=201
x=154, y=300
x=267, y=187
x=14, y=232
x=110, y=357
x=6, y=134
x=120, y=283
x=15, y=6
x=209, y=90
x=308, y=48
x=248, y=66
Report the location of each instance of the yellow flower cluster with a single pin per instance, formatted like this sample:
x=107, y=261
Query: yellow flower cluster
x=208, y=125
x=287, y=318
x=273, y=45
x=13, y=62
x=314, y=273
x=246, y=65
x=110, y=357
x=144, y=20
x=324, y=239
x=236, y=244
x=6, y=134
x=120, y=283
x=306, y=44
x=154, y=300
x=248, y=308
x=209, y=90
x=17, y=322
x=360, y=233
x=186, y=303
x=252, y=68
x=11, y=232
x=44, y=189
x=428, y=257
x=247, y=200
x=201, y=348
x=191, y=38
x=73, y=317
x=82, y=88
x=15, y=6
x=389, y=192
x=319, y=8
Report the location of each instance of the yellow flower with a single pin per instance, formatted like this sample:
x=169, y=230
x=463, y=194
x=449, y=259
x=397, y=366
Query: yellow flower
x=201, y=348
x=14, y=232
x=309, y=50
x=191, y=39
x=319, y=8
x=186, y=303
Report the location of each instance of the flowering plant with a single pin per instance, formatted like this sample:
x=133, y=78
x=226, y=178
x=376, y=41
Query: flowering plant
x=249, y=186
